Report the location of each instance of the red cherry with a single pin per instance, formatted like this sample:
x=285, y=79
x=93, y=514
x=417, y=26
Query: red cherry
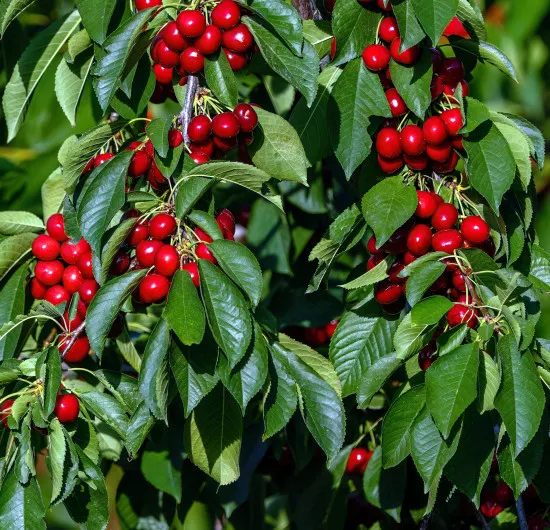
x=225, y=144
x=376, y=57
x=387, y=293
x=435, y=131
x=66, y=406
x=329, y=5
x=38, y=290
x=49, y=272
x=5, y=412
x=139, y=233
x=408, y=258
x=206, y=148
x=436, y=88
x=390, y=166
x=475, y=229
x=394, y=270
x=87, y=290
x=238, y=39
x=72, y=279
x=332, y=48
x=408, y=57
x=55, y=226
x=388, y=143
x=81, y=309
x=419, y=240
x=447, y=166
x=56, y=295
x=88, y=167
x=412, y=140
x=162, y=226
x=537, y=523
x=203, y=252
x=315, y=337
x=45, y=247
x=226, y=125
x=102, y=158
x=455, y=27
x=426, y=357
x=191, y=23
x=191, y=61
x=210, y=41
x=397, y=103
x=193, y=271
x=247, y=116
x=444, y=217
x=226, y=15
x=417, y=163
x=71, y=252
x=139, y=165
x=173, y=38
x=457, y=143
x=440, y=153
x=358, y=461
x=86, y=266
x=461, y=314
x=371, y=247
x=175, y=138
x=120, y=263
x=437, y=59
x=146, y=252
x=374, y=261
x=78, y=352
x=237, y=61
x=153, y=288
x=162, y=74
x=458, y=281
x=397, y=243
x=451, y=71
x=199, y=128
x=167, y=260
x=453, y=120
x=226, y=219
x=380, y=4
x=200, y=158
x=427, y=205
x=447, y=241
x=165, y=56
x=388, y=29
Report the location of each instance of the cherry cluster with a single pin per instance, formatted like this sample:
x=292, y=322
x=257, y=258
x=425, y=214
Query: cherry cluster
x=433, y=228
x=162, y=245
x=212, y=138
x=182, y=45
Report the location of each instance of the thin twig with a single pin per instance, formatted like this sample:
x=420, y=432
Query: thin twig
x=521, y=514
x=73, y=338
x=187, y=111
x=482, y=519
x=475, y=298
x=425, y=523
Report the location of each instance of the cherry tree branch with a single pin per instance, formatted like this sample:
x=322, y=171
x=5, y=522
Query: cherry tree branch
x=73, y=336
x=187, y=111
x=521, y=514
x=307, y=9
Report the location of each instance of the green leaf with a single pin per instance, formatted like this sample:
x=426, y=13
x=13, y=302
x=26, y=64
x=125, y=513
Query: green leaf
x=10, y=10
x=227, y=312
x=118, y=49
x=56, y=450
x=277, y=149
x=212, y=436
x=21, y=507
x=472, y=18
x=375, y=377
x=112, y=246
x=162, y=470
x=12, y=250
x=431, y=310
x=356, y=97
x=207, y=222
x=95, y=17
x=50, y=374
x=413, y=82
x=70, y=80
x=140, y=426
x=354, y=28
x=476, y=114
x=12, y=304
x=451, y=386
x=78, y=43
x=358, y=343
x=387, y=206
x=519, y=146
x=435, y=15
x=385, y=488
x=319, y=34
x=12, y=223
x=376, y=274
x=410, y=29
x=488, y=382
x=240, y=264
x=421, y=280
x=535, y=137
x=299, y=72
x=409, y=338
x=540, y=267
x=53, y=193
x=108, y=410
x=184, y=312
x=106, y=305
x=520, y=399
x=31, y=67
x=154, y=376
x=157, y=131
x=221, y=79
x=491, y=166
x=397, y=426
x=189, y=193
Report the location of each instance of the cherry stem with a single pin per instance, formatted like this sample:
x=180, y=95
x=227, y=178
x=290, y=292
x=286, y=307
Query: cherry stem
x=475, y=298
x=73, y=338
x=187, y=111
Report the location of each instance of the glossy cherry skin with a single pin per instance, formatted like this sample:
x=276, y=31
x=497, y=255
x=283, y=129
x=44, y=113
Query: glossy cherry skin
x=455, y=27
x=203, y=252
x=45, y=247
x=49, y=272
x=475, y=229
x=390, y=165
x=445, y=216
x=226, y=219
x=175, y=138
x=461, y=314
x=78, y=352
x=458, y=281
x=226, y=125
x=191, y=23
x=237, y=61
x=371, y=247
x=5, y=411
x=139, y=233
x=417, y=163
x=200, y=158
x=120, y=263
x=173, y=38
x=451, y=71
x=66, y=408
x=398, y=106
x=139, y=165
x=207, y=148
x=210, y=41
x=191, y=61
x=426, y=357
x=440, y=153
x=374, y=261
x=436, y=88
x=412, y=140
x=380, y=4
x=162, y=74
x=376, y=57
x=71, y=252
x=358, y=461
x=247, y=116
x=388, y=143
x=397, y=243
x=394, y=271
x=408, y=57
x=457, y=142
x=447, y=166
x=226, y=15
x=56, y=295
x=166, y=56
x=38, y=290
x=435, y=130
x=153, y=288
x=387, y=293
x=427, y=205
x=167, y=260
x=85, y=265
x=388, y=29
x=87, y=290
x=419, y=240
x=200, y=128
x=447, y=241
x=193, y=271
x=55, y=226
x=72, y=279
x=453, y=121
x=238, y=39
x=146, y=252
x=162, y=226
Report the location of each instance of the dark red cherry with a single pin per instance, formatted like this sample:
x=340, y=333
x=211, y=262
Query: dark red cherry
x=66, y=406
x=458, y=281
x=38, y=290
x=78, y=351
x=435, y=131
x=371, y=247
x=162, y=74
x=191, y=61
x=426, y=357
x=419, y=240
x=45, y=247
x=453, y=120
x=203, y=252
x=447, y=241
x=397, y=243
x=175, y=138
x=461, y=314
x=445, y=217
x=237, y=61
x=226, y=219
x=139, y=165
x=226, y=125
x=417, y=163
x=120, y=263
x=72, y=279
x=49, y=272
x=146, y=252
x=166, y=56
x=441, y=152
x=447, y=166
x=145, y=4
x=199, y=128
x=387, y=293
x=390, y=165
x=451, y=71
x=173, y=38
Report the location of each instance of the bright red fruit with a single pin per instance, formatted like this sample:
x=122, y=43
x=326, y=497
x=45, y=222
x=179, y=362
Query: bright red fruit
x=193, y=271
x=200, y=158
x=237, y=61
x=66, y=408
x=56, y=295
x=330, y=328
x=162, y=226
x=153, y=288
x=38, y=290
x=72, y=279
x=87, y=290
x=453, y=120
x=5, y=411
x=397, y=103
x=226, y=15
x=146, y=252
x=55, y=226
x=417, y=163
x=238, y=39
x=226, y=125
x=419, y=240
x=447, y=241
x=191, y=61
x=427, y=204
x=139, y=233
x=374, y=261
x=447, y=166
x=440, y=153
x=78, y=350
x=175, y=138
x=475, y=229
x=376, y=57
x=49, y=272
x=226, y=219
x=173, y=38
x=390, y=165
x=380, y=4
x=388, y=143
x=388, y=29
x=247, y=116
x=445, y=216
x=203, y=252
x=162, y=74
x=45, y=247
x=461, y=314
x=435, y=131
x=412, y=140
x=458, y=281
x=358, y=461
x=387, y=293
x=167, y=260
x=166, y=56
x=456, y=27
x=85, y=265
x=210, y=41
x=191, y=23
x=199, y=128
x=371, y=247
x=407, y=57
x=139, y=165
